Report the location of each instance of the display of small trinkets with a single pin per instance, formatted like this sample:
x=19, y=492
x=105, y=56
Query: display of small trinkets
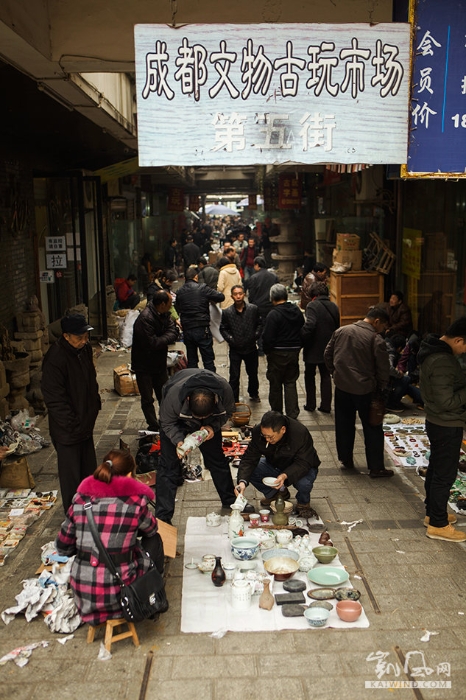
x=407, y=444
x=18, y=510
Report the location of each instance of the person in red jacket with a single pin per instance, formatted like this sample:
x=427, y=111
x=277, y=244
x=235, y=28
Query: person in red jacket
x=127, y=297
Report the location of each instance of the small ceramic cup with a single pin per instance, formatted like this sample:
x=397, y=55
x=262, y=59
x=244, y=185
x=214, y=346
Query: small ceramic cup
x=213, y=519
x=284, y=536
x=254, y=519
x=229, y=568
x=264, y=516
x=208, y=560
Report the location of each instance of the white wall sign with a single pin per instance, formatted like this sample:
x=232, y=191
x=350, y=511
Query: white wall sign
x=272, y=93
x=56, y=261
x=53, y=243
x=46, y=276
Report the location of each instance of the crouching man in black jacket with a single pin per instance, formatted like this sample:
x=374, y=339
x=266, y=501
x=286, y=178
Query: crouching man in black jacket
x=281, y=448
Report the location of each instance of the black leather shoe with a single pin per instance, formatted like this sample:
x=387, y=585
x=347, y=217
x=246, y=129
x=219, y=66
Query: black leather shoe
x=347, y=465
x=381, y=473
x=322, y=410
x=308, y=408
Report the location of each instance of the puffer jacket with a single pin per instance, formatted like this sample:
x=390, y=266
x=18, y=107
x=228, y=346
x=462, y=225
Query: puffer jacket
x=242, y=329
x=228, y=277
x=294, y=454
x=193, y=304
x=71, y=393
x=176, y=418
x=442, y=383
x=152, y=334
x=282, y=329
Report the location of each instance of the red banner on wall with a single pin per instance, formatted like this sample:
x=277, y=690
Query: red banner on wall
x=194, y=203
x=252, y=201
x=175, y=199
x=289, y=191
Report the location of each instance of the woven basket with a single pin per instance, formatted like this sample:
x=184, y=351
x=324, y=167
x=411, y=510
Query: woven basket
x=241, y=416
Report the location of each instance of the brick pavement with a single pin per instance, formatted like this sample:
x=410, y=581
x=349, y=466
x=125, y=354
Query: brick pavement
x=408, y=583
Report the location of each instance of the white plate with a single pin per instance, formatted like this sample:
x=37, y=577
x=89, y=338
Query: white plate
x=269, y=481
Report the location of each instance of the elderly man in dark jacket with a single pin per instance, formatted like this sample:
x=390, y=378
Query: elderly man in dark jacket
x=281, y=448
x=282, y=344
x=71, y=394
x=322, y=318
x=154, y=330
x=193, y=304
x=241, y=326
x=193, y=399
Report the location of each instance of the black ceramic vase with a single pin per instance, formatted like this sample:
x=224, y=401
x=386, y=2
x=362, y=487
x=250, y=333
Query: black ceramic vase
x=218, y=574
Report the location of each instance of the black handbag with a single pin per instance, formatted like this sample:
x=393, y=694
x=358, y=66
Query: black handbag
x=143, y=598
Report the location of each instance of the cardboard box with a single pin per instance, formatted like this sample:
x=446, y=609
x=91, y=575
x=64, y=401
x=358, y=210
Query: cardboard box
x=124, y=381
x=352, y=256
x=348, y=241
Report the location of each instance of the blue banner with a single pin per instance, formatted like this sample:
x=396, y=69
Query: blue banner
x=437, y=140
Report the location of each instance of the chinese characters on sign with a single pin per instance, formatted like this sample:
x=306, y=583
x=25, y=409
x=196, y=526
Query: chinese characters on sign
x=238, y=94
x=55, y=243
x=175, y=199
x=56, y=261
x=438, y=105
x=289, y=191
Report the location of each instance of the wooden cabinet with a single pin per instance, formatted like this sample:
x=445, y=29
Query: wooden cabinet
x=355, y=292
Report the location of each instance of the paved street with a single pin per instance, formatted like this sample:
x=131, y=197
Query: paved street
x=409, y=584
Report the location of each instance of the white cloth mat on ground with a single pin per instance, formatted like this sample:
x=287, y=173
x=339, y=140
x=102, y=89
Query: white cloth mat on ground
x=205, y=608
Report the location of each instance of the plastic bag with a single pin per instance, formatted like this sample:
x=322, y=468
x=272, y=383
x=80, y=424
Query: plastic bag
x=23, y=422
x=126, y=332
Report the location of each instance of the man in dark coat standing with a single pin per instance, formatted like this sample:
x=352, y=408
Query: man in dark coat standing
x=241, y=327
x=258, y=289
x=154, y=330
x=193, y=305
x=282, y=345
x=191, y=253
x=71, y=394
x=193, y=399
x=322, y=318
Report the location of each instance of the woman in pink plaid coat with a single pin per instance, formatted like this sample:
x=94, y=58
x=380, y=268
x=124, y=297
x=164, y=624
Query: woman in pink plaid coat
x=120, y=505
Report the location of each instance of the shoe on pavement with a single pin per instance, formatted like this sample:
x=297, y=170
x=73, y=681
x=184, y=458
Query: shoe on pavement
x=447, y=533
x=268, y=501
x=308, y=408
x=381, y=473
x=395, y=409
x=347, y=465
x=323, y=410
x=255, y=399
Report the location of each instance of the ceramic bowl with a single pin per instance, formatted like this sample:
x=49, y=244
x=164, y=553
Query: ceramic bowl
x=316, y=617
x=244, y=548
x=284, y=536
x=277, y=552
x=328, y=576
x=288, y=507
x=348, y=610
x=213, y=519
x=282, y=568
x=325, y=554
x=269, y=481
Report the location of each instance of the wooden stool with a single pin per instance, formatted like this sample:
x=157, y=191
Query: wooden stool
x=110, y=637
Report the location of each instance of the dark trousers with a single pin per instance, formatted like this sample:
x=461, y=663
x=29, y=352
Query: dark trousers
x=201, y=338
x=147, y=384
x=168, y=474
x=325, y=386
x=445, y=445
x=346, y=406
x=283, y=373
x=251, y=362
x=75, y=462
x=130, y=302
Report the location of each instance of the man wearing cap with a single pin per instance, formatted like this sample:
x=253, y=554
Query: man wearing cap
x=71, y=394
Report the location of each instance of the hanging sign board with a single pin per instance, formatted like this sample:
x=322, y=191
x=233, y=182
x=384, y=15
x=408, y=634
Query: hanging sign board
x=437, y=144
x=226, y=94
x=56, y=261
x=55, y=243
